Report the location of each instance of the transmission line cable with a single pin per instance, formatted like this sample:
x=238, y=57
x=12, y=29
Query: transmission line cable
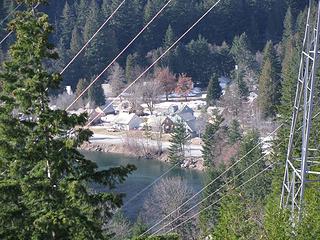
x=211, y=194
x=8, y=35
x=213, y=181
x=151, y=184
x=93, y=36
x=16, y=8
x=210, y=183
x=196, y=214
x=113, y=61
x=157, y=60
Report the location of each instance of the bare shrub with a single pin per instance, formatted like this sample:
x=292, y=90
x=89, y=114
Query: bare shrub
x=166, y=196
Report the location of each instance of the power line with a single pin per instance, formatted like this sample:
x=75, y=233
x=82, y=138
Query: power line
x=16, y=8
x=196, y=214
x=151, y=184
x=93, y=36
x=157, y=60
x=213, y=181
x=8, y=35
x=113, y=61
x=316, y=115
x=210, y=195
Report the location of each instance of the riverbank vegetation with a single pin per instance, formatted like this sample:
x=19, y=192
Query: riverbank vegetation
x=44, y=180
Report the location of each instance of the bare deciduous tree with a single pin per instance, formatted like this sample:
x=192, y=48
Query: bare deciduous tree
x=151, y=94
x=146, y=91
x=119, y=226
x=166, y=196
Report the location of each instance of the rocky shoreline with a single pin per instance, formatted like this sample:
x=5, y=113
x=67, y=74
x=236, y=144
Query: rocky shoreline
x=189, y=163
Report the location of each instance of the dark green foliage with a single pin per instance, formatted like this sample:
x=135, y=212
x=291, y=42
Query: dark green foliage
x=241, y=52
x=309, y=227
x=44, y=180
x=234, y=220
x=138, y=228
x=209, y=218
x=214, y=90
x=169, y=38
x=269, y=83
x=179, y=140
x=261, y=20
x=96, y=94
x=276, y=221
x=234, y=132
x=209, y=141
x=258, y=188
x=131, y=67
x=199, y=59
x=67, y=24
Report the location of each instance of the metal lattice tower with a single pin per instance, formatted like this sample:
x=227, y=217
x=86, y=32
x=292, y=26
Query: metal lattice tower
x=301, y=168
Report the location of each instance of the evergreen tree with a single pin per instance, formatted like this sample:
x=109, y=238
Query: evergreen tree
x=288, y=31
x=209, y=218
x=178, y=141
x=290, y=67
x=44, y=180
x=309, y=227
x=75, y=71
x=96, y=94
x=241, y=52
x=214, y=90
x=258, y=188
x=276, y=221
x=67, y=23
x=82, y=84
x=234, y=220
x=208, y=139
x=138, y=228
x=82, y=11
x=199, y=65
x=169, y=38
x=131, y=63
x=234, y=132
x=269, y=83
x=76, y=41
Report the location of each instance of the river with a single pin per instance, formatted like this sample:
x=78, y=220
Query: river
x=147, y=171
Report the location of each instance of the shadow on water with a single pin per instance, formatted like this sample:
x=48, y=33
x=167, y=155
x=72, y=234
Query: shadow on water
x=147, y=171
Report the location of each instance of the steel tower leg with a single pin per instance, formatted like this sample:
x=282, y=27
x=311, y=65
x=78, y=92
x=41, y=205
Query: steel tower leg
x=298, y=168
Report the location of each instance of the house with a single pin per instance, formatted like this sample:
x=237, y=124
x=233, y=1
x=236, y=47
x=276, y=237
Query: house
x=127, y=121
x=166, y=124
x=106, y=109
x=95, y=117
x=186, y=115
x=185, y=109
x=175, y=109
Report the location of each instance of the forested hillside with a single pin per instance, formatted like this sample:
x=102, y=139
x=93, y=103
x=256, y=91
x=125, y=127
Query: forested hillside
x=203, y=52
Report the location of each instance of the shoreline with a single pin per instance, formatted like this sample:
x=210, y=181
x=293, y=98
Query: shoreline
x=190, y=162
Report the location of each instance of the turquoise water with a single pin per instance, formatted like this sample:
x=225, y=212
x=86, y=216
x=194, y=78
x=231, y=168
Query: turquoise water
x=147, y=171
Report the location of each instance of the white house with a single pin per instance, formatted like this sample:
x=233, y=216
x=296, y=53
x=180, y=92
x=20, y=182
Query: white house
x=126, y=121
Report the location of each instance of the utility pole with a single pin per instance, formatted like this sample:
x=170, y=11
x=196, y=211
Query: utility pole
x=301, y=168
